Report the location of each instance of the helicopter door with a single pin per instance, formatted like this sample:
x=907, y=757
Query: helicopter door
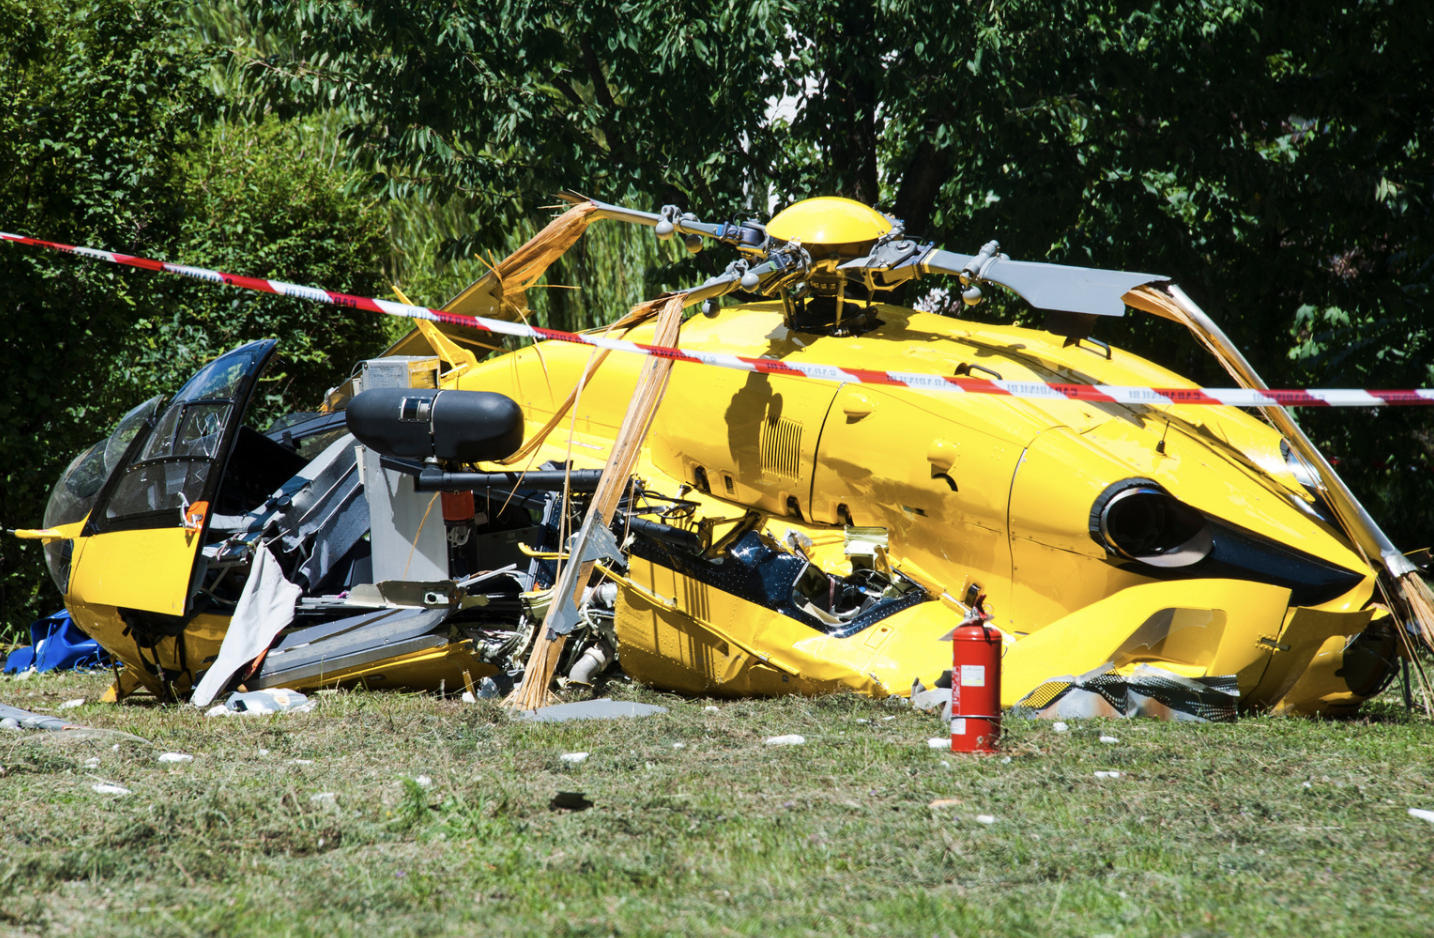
x=150, y=519
x=938, y=487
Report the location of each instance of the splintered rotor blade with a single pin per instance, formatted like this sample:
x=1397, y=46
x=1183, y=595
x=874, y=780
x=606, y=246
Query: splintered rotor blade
x=1053, y=287
x=1067, y=289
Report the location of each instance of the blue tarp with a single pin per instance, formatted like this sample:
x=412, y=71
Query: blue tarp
x=57, y=644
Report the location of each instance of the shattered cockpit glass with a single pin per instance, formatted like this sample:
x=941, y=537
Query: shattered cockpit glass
x=74, y=495
x=173, y=468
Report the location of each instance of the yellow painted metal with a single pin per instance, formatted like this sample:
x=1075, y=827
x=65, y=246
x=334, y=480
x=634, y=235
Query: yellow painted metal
x=59, y=532
x=1306, y=659
x=185, y=656
x=146, y=570
x=444, y=347
x=446, y=667
x=876, y=470
x=38, y=534
x=1016, y=525
x=828, y=220
x=124, y=684
x=707, y=641
x=976, y=492
x=1192, y=627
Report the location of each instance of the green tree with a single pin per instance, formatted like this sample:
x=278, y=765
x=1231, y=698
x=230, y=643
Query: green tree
x=99, y=104
x=1272, y=157
x=263, y=200
x=109, y=138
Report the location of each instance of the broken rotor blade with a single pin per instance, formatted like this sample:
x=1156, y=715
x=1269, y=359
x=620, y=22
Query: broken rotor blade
x=616, y=476
x=1087, y=291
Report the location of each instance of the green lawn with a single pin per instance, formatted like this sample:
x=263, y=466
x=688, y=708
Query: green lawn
x=1265, y=827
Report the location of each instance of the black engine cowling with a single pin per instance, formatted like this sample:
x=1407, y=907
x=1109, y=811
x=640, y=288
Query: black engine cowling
x=447, y=425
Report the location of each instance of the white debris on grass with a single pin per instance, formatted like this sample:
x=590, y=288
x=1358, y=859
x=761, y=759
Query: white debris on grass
x=1006, y=761
x=679, y=745
x=175, y=757
x=72, y=704
x=791, y=740
x=424, y=781
x=1111, y=774
x=1059, y=727
x=1422, y=815
x=324, y=797
x=468, y=697
x=92, y=762
x=985, y=819
x=861, y=720
x=939, y=742
x=104, y=788
x=575, y=758
x=263, y=752
x=262, y=702
x=1109, y=740
x=713, y=709
x=1308, y=785
x=301, y=761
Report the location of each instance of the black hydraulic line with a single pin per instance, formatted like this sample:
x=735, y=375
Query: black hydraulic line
x=687, y=540
x=548, y=480
x=433, y=479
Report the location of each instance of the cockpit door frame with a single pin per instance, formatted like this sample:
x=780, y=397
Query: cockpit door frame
x=141, y=551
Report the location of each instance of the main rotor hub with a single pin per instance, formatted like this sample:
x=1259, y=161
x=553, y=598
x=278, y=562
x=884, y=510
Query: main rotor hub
x=830, y=225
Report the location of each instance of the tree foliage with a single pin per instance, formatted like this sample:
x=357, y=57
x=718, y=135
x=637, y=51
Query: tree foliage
x=262, y=199
x=110, y=137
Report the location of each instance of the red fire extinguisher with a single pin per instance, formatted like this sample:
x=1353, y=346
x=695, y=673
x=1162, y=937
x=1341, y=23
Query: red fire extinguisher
x=975, y=682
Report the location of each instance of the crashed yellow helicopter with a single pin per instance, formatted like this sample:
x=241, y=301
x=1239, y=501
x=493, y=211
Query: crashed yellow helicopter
x=775, y=534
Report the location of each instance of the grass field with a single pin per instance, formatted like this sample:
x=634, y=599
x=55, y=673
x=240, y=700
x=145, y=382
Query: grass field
x=1265, y=827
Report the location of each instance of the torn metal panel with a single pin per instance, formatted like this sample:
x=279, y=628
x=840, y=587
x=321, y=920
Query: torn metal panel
x=1146, y=691
x=323, y=653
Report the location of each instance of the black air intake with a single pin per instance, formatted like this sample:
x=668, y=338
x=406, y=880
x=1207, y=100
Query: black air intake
x=1138, y=519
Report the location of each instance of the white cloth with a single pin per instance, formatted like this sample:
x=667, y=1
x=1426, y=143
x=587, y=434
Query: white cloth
x=265, y=607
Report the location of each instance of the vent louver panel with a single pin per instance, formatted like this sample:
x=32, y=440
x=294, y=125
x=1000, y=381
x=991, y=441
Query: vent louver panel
x=781, y=448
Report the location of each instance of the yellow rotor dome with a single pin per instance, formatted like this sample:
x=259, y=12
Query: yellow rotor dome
x=828, y=220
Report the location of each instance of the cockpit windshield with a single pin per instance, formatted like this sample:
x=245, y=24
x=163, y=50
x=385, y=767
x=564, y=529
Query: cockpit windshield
x=74, y=495
x=174, y=467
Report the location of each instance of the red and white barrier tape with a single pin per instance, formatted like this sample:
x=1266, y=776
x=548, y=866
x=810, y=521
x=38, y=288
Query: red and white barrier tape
x=1238, y=397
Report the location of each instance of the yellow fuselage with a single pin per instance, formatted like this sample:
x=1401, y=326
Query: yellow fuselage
x=975, y=490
